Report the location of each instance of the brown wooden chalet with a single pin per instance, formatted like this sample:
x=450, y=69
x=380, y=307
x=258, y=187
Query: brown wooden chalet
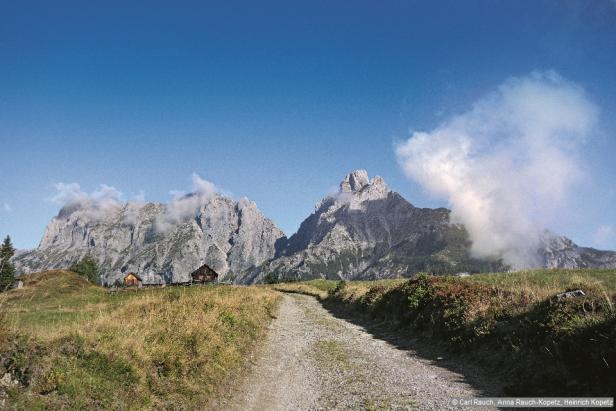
x=132, y=280
x=204, y=274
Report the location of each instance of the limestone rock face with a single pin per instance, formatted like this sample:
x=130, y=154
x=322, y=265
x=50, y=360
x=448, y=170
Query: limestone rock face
x=151, y=239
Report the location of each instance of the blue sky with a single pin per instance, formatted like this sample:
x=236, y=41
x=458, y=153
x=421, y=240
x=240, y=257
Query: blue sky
x=275, y=101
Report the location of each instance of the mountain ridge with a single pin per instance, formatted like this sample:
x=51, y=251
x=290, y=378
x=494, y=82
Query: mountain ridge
x=150, y=238
x=364, y=231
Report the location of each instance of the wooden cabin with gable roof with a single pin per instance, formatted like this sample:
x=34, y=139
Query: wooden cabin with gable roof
x=204, y=274
x=132, y=280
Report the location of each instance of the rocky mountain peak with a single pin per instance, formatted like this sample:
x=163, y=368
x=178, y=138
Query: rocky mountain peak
x=357, y=188
x=354, y=182
x=379, y=187
x=358, y=181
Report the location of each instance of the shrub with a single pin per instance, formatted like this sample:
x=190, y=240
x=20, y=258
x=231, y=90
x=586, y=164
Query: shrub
x=87, y=267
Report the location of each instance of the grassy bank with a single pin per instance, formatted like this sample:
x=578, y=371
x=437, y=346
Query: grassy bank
x=72, y=345
x=510, y=323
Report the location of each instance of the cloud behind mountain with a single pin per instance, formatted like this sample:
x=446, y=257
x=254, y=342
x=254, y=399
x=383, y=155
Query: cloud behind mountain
x=509, y=164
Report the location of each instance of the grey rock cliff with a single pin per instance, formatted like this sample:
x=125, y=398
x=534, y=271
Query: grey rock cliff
x=232, y=237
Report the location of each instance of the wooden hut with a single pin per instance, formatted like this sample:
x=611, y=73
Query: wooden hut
x=204, y=274
x=132, y=280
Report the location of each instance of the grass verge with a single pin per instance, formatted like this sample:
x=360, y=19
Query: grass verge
x=71, y=345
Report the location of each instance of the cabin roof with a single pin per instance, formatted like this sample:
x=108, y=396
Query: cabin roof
x=205, y=267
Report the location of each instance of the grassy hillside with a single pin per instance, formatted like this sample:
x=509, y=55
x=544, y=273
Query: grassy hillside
x=72, y=345
x=511, y=323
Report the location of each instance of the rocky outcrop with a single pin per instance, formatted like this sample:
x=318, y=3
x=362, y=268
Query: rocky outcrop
x=231, y=237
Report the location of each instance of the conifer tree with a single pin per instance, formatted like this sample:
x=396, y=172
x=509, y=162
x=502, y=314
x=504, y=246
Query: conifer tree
x=7, y=269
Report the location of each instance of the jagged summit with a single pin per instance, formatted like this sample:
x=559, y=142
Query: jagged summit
x=355, y=181
x=358, y=181
x=355, y=189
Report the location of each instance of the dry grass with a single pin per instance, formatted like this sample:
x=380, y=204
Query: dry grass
x=324, y=288
x=534, y=285
x=82, y=348
x=542, y=284
x=301, y=288
x=352, y=291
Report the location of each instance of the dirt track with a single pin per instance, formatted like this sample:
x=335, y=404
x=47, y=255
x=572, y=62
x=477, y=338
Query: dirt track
x=313, y=360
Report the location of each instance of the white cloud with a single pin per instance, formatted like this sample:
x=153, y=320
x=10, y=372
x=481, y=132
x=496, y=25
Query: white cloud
x=138, y=198
x=202, y=186
x=133, y=207
x=184, y=206
x=508, y=164
x=6, y=207
x=605, y=236
x=100, y=204
x=107, y=202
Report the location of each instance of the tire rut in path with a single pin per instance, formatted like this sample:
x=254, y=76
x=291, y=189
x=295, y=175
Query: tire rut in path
x=312, y=360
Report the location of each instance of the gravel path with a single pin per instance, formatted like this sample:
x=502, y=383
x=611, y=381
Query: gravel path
x=315, y=361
